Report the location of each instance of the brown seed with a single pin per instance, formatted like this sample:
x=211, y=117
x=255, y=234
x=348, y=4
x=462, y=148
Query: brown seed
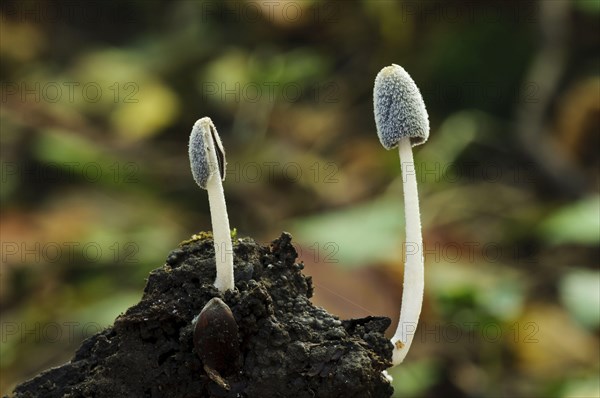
x=216, y=338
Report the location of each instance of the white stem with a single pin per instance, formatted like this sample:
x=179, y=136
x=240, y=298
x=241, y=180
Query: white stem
x=221, y=233
x=412, y=294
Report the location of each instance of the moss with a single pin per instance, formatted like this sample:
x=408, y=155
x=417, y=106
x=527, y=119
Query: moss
x=202, y=235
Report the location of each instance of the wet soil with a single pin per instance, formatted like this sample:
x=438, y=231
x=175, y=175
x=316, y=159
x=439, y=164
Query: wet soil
x=287, y=346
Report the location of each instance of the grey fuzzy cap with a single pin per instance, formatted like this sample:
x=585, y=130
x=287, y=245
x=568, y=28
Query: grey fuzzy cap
x=399, y=108
x=204, y=131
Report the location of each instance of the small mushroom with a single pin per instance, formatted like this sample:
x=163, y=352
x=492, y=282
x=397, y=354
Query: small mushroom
x=401, y=120
x=207, y=160
x=216, y=340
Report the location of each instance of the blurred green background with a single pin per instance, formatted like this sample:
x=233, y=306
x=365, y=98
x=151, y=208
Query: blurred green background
x=98, y=99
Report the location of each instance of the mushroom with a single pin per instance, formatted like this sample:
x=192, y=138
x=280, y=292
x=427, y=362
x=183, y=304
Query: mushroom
x=207, y=160
x=401, y=120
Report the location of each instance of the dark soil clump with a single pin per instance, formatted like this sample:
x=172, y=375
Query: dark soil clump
x=288, y=347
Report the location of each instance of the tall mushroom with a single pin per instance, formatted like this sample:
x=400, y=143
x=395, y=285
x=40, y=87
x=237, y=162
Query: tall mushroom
x=401, y=120
x=207, y=160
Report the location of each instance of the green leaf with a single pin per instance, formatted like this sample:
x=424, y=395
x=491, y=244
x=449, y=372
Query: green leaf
x=575, y=223
x=363, y=234
x=580, y=293
x=412, y=379
x=588, y=6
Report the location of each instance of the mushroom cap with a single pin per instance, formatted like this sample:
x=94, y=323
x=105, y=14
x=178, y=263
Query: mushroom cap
x=204, y=133
x=399, y=108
